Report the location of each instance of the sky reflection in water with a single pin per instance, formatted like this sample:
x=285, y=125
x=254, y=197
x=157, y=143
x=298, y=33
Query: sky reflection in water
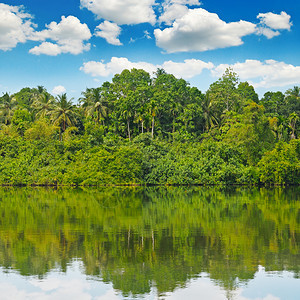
x=76, y=286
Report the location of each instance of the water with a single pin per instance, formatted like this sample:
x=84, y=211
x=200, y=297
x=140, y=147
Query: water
x=150, y=243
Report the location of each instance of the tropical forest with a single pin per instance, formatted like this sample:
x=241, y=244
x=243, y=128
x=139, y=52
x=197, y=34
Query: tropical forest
x=151, y=129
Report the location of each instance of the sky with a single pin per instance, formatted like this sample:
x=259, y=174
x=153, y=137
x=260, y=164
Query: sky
x=69, y=45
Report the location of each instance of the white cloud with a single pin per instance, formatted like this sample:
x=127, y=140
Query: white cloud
x=46, y=48
x=15, y=26
x=187, y=69
x=58, y=90
x=116, y=65
x=182, y=2
x=267, y=74
x=200, y=30
x=70, y=36
x=174, y=9
x=270, y=24
x=147, y=35
x=122, y=11
x=186, y=2
x=173, y=12
x=274, y=21
x=96, y=68
x=110, y=32
x=267, y=32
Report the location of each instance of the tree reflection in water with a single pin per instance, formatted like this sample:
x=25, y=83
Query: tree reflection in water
x=139, y=238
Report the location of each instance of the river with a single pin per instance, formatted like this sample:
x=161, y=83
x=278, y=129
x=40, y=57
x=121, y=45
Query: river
x=150, y=243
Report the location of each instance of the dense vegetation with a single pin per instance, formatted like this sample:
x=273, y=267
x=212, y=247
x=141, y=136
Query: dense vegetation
x=137, y=238
x=140, y=129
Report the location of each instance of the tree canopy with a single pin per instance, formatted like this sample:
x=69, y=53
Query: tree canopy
x=166, y=130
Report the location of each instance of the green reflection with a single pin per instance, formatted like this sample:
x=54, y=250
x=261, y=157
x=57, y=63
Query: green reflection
x=137, y=238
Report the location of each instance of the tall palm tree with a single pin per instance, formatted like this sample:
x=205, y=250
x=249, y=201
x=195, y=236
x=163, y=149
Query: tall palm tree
x=293, y=118
x=37, y=92
x=94, y=104
x=63, y=113
x=127, y=113
x=8, y=105
x=153, y=108
x=175, y=109
x=140, y=116
x=293, y=100
x=209, y=116
x=294, y=92
x=43, y=105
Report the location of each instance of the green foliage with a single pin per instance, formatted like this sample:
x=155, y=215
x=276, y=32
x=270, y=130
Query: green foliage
x=41, y=129
x=21, y=120
x=93, y=133
x=224, y=95
x=251, y=132
x=281, y=165
x=247, y=92
x=25, y=97
x=274, y=103
x=142, y=130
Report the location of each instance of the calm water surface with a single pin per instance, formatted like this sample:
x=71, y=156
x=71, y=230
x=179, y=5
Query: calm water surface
x=150, y=243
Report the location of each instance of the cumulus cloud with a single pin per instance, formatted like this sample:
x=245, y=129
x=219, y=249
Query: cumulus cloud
x=57, y=90
x=270, y=24
x=186, y=2
x=116, y=65
x=122, y=11
x=267, y=74
x=187, y=69
x=173, y=12
x=267, y=32
x=70, y=36
x=200, y=30
x=110, y=32
x=46, y=48
x=15, y=26
x=274, y=21
x=174, y=9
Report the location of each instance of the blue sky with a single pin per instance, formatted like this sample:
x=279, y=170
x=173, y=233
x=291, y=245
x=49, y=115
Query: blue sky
x=69, y=45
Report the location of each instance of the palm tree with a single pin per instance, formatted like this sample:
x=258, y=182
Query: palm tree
x=209, y=117
x=175, y=110
x=63, y=113
x=94, y=104
x=140, y=117
x=294, y=92
x=142, y=96
x=43, y=104
x=152, y=109
x=37, y=92
x=293, y=100
x=127, y=113
x=7, y=107
x=293, y=118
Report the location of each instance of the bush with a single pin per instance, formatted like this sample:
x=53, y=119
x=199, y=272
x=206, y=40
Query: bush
x=281, y=165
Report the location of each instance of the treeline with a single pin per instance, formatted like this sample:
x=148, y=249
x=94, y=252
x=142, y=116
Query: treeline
x=140, y=129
